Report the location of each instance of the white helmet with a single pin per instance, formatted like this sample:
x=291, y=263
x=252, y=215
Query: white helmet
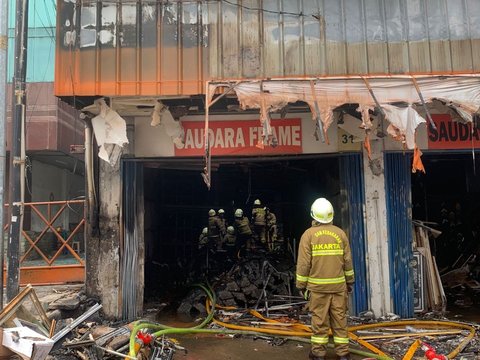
x=238, y=213
x=211, y=212
x=221, y=211
x=257, y=202
x=322, y=211
x=205, y=231
x=231, y=230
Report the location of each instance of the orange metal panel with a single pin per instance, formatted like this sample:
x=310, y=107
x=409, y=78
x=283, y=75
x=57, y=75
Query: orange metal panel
x=50, y=275
x=171, y=48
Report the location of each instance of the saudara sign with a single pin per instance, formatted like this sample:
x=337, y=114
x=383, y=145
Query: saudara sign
x=240, y=137
x=452, y=135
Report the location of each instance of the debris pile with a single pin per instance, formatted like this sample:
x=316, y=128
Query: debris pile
x=254, y=282
x=456, y=279
x=462, y=287
x=32, y=333
x=415, y=337
x=430, y=295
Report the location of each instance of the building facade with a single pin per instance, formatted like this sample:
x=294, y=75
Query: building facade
x=311, y=90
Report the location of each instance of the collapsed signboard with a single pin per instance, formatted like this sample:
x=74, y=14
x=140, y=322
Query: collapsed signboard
x=240, y=138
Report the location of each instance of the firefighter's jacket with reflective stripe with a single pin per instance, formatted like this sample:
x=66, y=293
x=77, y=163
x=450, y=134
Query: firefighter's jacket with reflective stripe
x=324, y=259
x=242, y=226
x=271, y=219
x=223, y=221
x=258, y=216
x=230, y=240
x=202, y=240
x=215, y=226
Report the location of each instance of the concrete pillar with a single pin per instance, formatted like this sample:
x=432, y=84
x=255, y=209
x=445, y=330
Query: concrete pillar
x=376, y=228
x=102, y=248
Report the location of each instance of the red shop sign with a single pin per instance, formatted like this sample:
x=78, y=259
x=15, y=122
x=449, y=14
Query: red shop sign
x=240, y=137
x=452, y=134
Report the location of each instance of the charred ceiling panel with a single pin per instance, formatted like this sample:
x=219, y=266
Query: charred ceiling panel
x=151, y=47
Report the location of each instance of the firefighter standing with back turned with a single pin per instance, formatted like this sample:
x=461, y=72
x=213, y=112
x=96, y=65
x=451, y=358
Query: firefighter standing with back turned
x=259, y=222
x=243, y=230
x=215, y=229
x=324, y=275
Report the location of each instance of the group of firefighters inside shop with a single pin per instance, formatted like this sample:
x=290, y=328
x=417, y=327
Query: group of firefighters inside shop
x=258, y=232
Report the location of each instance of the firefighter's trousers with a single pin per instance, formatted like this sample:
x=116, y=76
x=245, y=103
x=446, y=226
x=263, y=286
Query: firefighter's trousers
x=329, y=311
x=260, y=233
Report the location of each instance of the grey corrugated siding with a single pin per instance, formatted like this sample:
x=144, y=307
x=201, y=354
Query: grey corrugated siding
x=172, y=47
x=350, y=37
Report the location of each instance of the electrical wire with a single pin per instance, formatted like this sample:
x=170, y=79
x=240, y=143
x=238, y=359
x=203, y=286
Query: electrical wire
x=50, y=32
x=28, y=167
x=473, y=148
x=35, y=103
x=92, y=137
x=300, y=14
x=229, y=2
x=50, y=22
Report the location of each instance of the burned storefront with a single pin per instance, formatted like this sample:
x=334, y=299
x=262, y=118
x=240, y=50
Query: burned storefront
x=223, y=104
x=283, y=179
x=446, y=213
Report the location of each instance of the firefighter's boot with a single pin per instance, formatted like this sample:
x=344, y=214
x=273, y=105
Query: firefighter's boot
x=311, y=356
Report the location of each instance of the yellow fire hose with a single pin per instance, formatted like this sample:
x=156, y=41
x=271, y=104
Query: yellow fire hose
x=257, y=329
x=411, y=350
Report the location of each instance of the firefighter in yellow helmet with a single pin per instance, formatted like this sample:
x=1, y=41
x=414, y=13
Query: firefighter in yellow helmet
x=324, y=275
x=216, y=229
x=201, y=260
x=243, y=230
x=231, y=242
x=221, y=216
x=259, y=222
x=271, y=221
x=203, y=238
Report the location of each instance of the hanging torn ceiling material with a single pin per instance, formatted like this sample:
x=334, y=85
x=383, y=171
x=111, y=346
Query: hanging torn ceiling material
x=380, y=94
x=110, y=132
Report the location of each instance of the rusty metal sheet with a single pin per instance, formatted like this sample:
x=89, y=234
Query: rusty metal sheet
x=50, y=275
x=162, y=48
